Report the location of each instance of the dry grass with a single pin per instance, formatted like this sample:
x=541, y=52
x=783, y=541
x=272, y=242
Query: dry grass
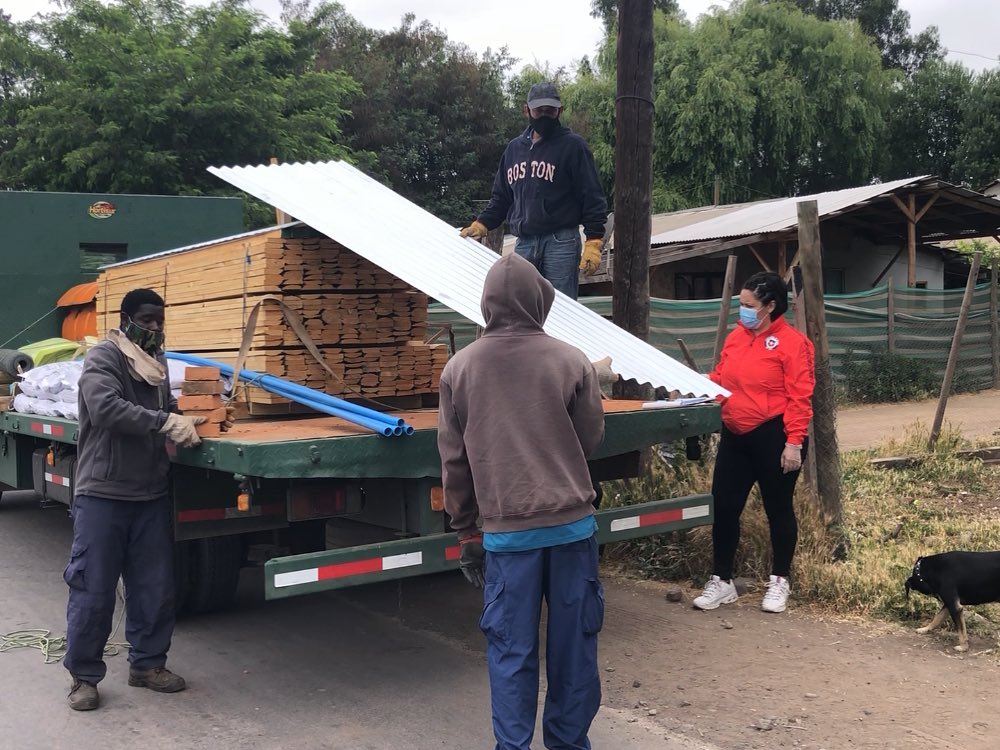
x=891, y=516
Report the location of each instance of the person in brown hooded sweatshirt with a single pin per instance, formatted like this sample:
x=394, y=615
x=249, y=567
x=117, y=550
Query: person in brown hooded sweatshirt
x=520, y=412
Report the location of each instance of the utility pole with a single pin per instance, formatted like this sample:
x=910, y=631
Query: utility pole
x=633, y=176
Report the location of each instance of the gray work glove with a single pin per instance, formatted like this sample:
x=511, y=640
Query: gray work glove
x=181, y=430
x=605, y=375
x=473, y=561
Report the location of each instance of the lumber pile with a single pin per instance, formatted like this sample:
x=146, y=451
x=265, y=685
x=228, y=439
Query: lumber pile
x=369, y=325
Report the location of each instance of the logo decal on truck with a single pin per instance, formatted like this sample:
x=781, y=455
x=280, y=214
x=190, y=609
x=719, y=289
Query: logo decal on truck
x=101, y=210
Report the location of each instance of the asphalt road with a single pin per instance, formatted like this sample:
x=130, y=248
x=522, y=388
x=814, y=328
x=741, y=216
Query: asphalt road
x=389, y=666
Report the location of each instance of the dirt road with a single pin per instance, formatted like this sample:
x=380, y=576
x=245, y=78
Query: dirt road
x=976, y=414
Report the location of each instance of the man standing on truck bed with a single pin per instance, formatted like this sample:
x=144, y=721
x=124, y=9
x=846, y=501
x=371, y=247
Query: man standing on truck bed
x=546, y=187
x=121, y=511
x=520, y=412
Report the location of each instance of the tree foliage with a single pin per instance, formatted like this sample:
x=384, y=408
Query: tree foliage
x=926, y=122
x=434, y=116
x=770, y=100
x=143, y=95
x=886, y=23
x=978, y=154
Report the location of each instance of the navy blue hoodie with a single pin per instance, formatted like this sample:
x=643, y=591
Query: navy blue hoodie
x=546, y=185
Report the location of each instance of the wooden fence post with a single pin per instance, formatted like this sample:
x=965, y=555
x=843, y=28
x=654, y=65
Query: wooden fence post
x=890, y=306
x=956, y=344
x=725, y=308
x=824, y=401
x=994, y=323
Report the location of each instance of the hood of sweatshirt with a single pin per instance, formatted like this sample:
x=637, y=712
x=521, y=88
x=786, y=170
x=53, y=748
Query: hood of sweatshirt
x=516, y=298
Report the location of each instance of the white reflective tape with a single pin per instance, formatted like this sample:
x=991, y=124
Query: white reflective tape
x=295, y=577
x=621, y=524
x=47, y=429
x=56, y=479
x=402, y=561
x=696, y=511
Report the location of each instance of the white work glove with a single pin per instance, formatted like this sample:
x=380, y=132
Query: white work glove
x=180, y=430
x=791, y=458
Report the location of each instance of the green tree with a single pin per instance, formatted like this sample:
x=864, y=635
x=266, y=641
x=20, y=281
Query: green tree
x=771, y=100
x=432, y=114
x=143, y=95
x=886, y=23
x=978, y=154
x=926, y=122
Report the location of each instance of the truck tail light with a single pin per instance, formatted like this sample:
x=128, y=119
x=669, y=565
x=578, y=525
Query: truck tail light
x=322, y=500
x=437, y=498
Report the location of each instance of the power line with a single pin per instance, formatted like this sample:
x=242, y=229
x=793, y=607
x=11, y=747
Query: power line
x=974, y=54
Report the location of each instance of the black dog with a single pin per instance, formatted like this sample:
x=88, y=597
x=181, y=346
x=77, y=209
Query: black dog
x=956, y=578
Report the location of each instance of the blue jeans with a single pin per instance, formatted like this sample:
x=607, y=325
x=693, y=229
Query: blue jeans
x=556, y=256
x=516, y=582
x=112, y=539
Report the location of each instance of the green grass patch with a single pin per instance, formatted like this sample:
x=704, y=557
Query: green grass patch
x=891, y=516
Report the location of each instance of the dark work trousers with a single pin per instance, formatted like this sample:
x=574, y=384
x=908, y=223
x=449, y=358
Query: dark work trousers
x=516, y=582
x=112, y=539
x=741, y=461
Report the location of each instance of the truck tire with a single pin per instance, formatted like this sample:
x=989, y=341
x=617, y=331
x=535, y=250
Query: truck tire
x=215, y=573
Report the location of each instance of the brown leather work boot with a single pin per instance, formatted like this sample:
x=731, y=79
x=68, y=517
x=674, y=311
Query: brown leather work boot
x=160, y=679
x=83, y=696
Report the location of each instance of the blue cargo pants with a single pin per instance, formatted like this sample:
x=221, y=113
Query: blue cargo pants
x=112, y=539
x=516, y=582
x=556, y=256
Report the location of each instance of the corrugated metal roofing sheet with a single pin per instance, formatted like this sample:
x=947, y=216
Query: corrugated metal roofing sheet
x=395, y=234
x=187, y=248
x=773, y=215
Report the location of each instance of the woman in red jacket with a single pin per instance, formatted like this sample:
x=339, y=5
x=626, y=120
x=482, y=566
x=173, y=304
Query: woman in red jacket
x=769, y=367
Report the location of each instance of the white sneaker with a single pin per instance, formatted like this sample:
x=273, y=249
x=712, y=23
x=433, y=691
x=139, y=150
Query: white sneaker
x=776, y=596
x=716, y=592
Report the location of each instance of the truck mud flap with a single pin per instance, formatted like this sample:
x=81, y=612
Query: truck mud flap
x=353, y=566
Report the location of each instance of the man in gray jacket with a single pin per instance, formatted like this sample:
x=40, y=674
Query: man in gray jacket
x=520, y=412
x=121, y=512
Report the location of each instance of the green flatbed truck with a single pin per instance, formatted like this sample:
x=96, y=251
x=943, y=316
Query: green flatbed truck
x=324, y=505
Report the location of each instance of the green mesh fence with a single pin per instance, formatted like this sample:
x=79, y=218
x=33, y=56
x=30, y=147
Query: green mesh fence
x=870, y=362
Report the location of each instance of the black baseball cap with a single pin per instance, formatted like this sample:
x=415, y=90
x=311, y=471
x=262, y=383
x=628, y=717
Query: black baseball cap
x=544, y=94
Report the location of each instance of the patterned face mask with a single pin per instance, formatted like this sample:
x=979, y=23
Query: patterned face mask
x=147, y=340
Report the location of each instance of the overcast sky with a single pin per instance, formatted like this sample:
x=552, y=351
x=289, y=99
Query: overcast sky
x=561, y=31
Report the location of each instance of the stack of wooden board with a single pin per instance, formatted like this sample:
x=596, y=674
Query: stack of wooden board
x=369, y=325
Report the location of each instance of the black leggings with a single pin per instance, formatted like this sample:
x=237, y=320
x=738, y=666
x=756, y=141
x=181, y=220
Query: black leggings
x=741, y=461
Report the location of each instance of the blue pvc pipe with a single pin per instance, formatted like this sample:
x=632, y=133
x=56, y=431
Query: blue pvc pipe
x=314, y=399
x=270, y=382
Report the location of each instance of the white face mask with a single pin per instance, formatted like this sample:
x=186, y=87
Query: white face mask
x=748, y=317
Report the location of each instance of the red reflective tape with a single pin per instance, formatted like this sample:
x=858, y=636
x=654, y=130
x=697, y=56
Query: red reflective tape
x=664, y=516
x=48, y=429
x=353, y=568
x=225, y=514
x=204, y=514
x=453, y=553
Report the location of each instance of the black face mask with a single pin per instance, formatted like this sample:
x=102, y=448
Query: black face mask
x=545, y=126
x=147, y=340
